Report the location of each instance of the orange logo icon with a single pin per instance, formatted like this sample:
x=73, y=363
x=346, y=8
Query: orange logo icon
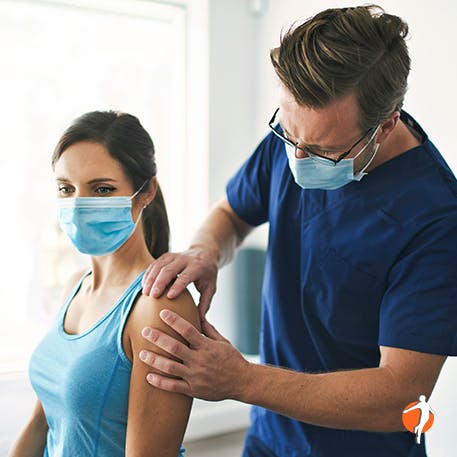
x=418, y=417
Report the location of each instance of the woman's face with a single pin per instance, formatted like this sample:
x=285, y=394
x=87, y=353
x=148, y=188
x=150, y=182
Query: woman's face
x=85, y=169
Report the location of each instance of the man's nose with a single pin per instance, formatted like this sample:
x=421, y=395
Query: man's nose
x=300, y=154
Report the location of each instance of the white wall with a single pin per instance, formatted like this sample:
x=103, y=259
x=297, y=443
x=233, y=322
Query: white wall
x=234, y=112
x=233, y=93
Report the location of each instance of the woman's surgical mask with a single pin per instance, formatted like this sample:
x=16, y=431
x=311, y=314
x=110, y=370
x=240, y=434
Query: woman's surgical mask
x=318, y=173
x=97, y=225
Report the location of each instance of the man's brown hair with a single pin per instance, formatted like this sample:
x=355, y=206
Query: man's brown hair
x=344, y=50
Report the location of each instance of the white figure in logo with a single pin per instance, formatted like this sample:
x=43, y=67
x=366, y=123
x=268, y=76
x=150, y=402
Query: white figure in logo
x=424, y=416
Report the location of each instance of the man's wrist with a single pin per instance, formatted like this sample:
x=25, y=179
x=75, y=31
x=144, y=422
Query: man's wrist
x=207, y=251
x=246, y=382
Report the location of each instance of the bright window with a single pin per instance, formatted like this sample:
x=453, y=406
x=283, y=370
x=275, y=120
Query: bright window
x=61, y=59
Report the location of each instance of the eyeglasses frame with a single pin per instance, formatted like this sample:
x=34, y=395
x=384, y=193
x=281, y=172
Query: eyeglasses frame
x=309, y=153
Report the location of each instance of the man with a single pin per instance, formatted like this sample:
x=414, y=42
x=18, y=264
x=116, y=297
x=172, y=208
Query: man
x=359, y=296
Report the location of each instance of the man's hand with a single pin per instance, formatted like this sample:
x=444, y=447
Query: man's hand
x=368, y=399
x=210, y=368
x=179, y=270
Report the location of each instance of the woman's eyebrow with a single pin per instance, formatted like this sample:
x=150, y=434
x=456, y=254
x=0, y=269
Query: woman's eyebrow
x=97, y=180
x=92, y=181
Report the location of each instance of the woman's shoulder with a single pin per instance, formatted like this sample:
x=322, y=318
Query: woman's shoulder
x=146, y=312
x=148, y=307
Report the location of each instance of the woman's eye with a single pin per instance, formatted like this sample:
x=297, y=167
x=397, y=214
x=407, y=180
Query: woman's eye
x=64, y=189
x=103, y=190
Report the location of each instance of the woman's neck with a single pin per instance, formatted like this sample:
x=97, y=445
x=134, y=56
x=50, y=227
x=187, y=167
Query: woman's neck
x=121, y=267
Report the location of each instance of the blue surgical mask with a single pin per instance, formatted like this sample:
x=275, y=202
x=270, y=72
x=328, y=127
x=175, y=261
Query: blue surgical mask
x=97, y=225
x=318, y=173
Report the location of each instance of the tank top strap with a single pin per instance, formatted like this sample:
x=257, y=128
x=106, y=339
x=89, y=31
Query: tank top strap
x=128, y=301
x=68, y=300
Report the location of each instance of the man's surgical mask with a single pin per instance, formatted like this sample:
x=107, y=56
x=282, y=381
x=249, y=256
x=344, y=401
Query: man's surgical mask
x=319, y=173
x=97, y=225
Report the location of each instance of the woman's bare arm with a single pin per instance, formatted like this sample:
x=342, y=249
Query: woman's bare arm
x=156, y=419
x=32, y=440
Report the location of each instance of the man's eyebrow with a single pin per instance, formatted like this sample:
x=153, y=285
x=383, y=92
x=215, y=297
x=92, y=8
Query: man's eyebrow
x=285, y=130
x=315, y=146
x=288, y=134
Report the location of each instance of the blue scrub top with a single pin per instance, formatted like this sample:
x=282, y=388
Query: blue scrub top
x=372, y=263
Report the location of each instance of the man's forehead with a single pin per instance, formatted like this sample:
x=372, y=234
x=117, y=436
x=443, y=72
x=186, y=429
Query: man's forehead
x=332, y=125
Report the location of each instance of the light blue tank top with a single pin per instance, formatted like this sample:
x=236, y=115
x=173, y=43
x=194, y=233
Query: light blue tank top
x=83, y=383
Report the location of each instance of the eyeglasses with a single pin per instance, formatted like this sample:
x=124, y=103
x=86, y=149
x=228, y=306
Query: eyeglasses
x=274, y=126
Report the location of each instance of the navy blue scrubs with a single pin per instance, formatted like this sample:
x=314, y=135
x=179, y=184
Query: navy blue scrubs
x=371, y=264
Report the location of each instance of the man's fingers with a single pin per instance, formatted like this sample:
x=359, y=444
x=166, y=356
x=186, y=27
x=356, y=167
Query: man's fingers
x=147, y=280
x=163, y=364
x=152, y=271
x=163, y=273
x=183, y=327
x=171, y=385
x=181, y=282
x=167, y=343
x=205, y=299
x=177, y=271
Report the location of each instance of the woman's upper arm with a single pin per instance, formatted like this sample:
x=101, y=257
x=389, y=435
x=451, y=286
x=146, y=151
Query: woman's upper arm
x=156, y=419
x=32, y=440
x=39, y=417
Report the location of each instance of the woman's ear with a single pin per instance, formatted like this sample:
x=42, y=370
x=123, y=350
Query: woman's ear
x=149, y=196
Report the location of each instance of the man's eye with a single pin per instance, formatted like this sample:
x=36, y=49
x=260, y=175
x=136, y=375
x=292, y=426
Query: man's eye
x=326, y=153
x=320, y=152
x=289, y=137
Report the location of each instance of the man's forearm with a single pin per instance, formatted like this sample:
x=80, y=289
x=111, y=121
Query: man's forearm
x=370, y=399
x=220, y=234
x=367, y=399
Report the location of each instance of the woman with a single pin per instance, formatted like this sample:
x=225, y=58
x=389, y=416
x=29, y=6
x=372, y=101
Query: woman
x=93, y=397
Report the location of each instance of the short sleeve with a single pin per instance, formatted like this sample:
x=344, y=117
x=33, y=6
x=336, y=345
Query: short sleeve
x=248, y=191
x=419, y=309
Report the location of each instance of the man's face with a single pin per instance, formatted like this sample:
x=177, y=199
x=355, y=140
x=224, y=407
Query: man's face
x=328, y=131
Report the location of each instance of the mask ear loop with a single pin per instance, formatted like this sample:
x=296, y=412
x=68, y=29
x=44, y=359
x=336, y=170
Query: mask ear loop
x=362, y=173
x=141, y=211
x=139, y=190
x=371, y=160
